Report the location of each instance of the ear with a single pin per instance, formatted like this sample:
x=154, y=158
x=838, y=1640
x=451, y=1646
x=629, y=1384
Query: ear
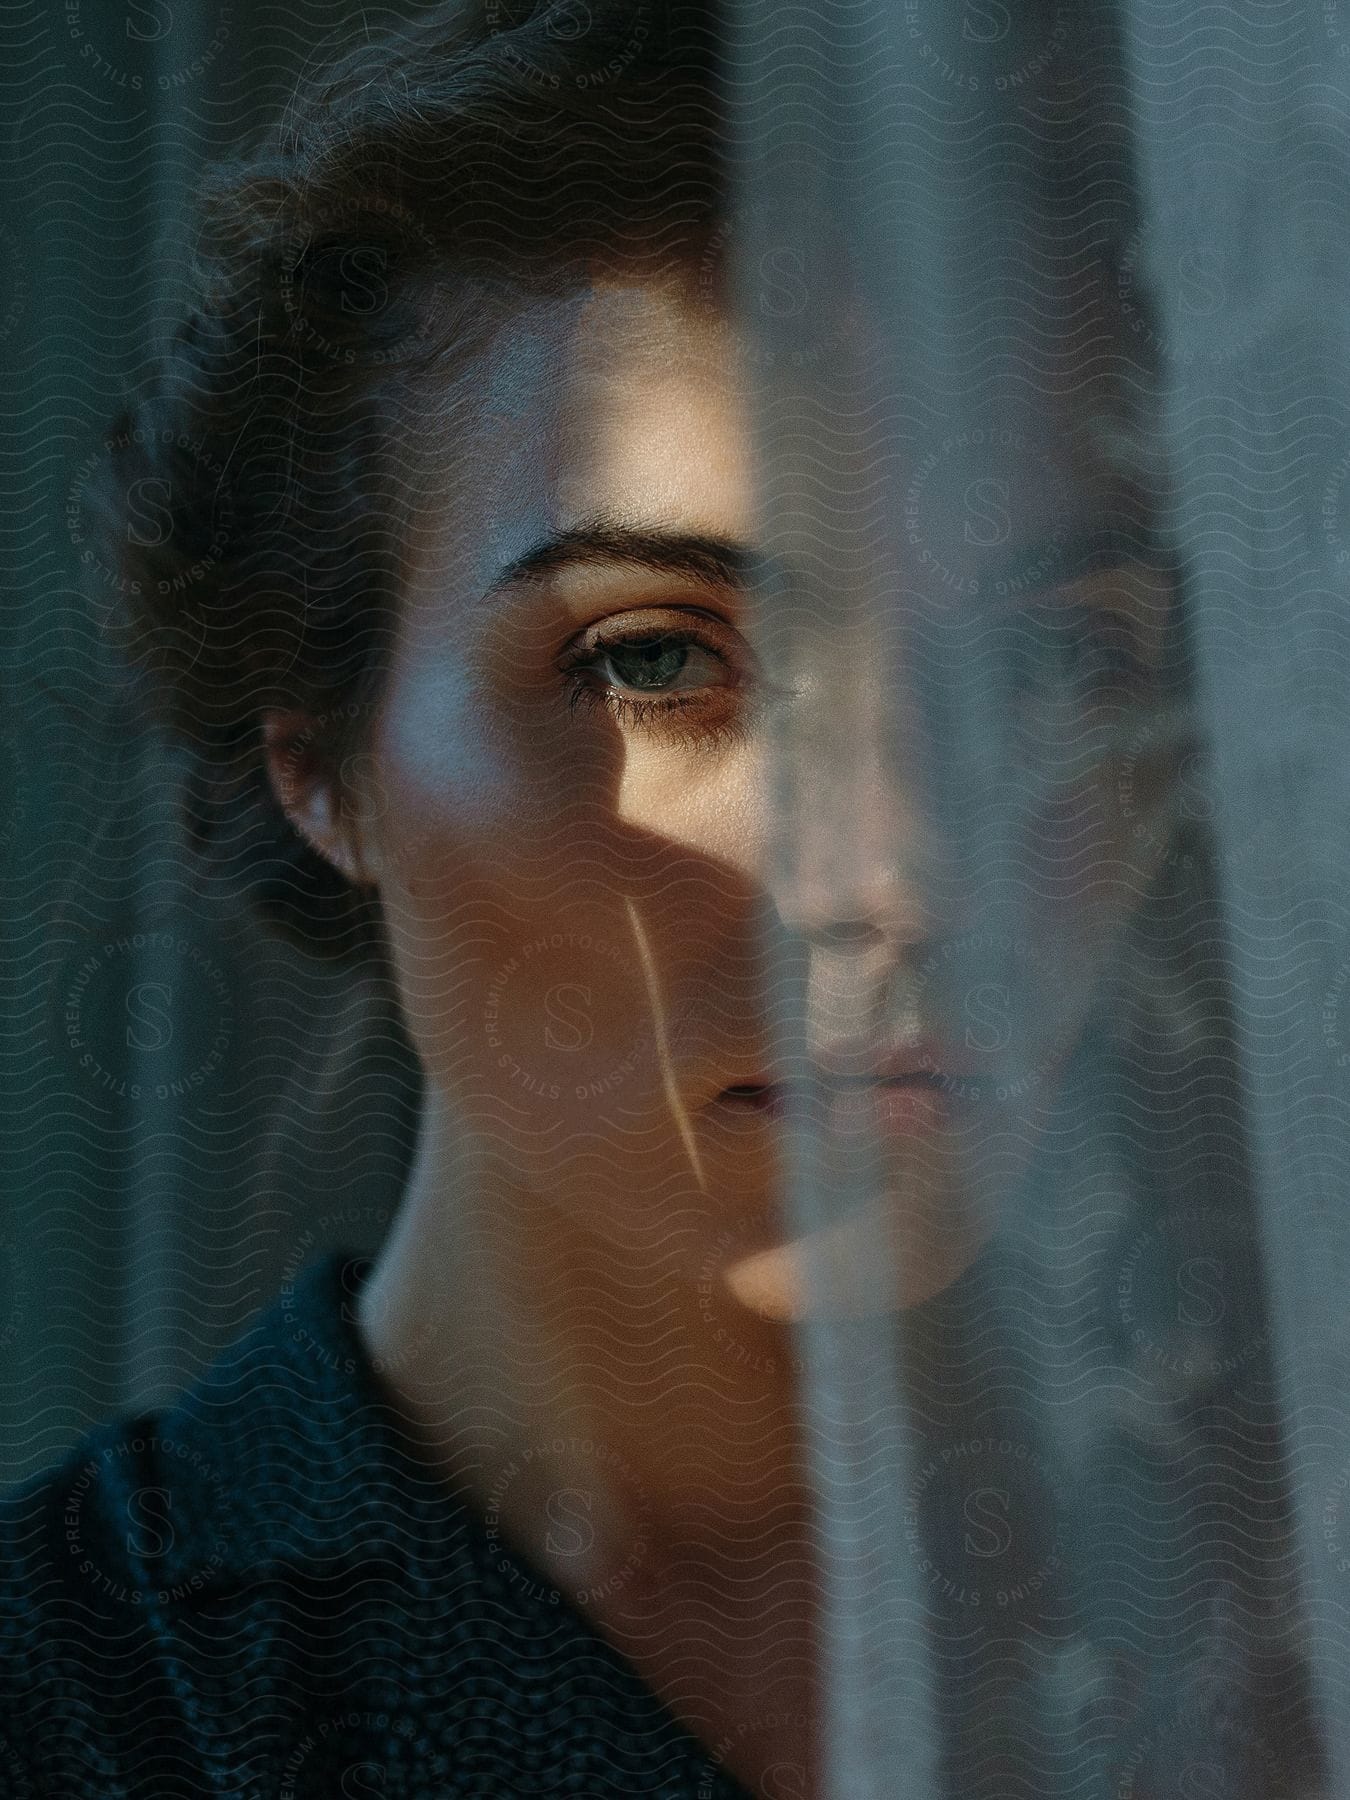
x=308, y=793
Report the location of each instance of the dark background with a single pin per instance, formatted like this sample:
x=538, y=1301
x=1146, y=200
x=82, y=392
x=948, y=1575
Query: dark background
x=194, y=1110
x=138, y=1232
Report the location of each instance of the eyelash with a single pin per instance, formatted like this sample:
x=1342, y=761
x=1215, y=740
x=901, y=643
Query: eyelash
x=1098, y=654
x=1085, y=643
x=658, y=710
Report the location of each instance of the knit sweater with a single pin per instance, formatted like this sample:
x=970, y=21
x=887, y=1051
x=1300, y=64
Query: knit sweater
x=262, y=1591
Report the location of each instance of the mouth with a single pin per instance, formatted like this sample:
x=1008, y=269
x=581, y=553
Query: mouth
x=898, y=1097
x=810, y=1089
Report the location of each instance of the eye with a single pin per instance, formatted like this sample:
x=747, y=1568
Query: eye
x=1097, y=647
x=1073, y=650
x=685, y=669
x=671, y=662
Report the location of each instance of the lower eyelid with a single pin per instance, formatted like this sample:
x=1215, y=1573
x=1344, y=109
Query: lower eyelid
x=683, y=716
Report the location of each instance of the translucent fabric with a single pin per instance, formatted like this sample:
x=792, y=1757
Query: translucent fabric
x=1041, y=313
x=1044, y=307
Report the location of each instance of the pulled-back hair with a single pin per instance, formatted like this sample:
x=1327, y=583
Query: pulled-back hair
x=252, y=508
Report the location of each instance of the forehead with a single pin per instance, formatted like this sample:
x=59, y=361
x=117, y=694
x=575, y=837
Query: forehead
x=619, y=399
x=638, y=401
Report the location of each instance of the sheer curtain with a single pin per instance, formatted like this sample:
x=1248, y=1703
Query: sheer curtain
x=1086, y=1511
x=1243, y=155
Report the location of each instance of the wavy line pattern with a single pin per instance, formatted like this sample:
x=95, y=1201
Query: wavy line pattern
x=578, y=561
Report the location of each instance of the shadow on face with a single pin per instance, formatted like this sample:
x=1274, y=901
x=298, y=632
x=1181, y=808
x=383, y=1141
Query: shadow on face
x=664, y=823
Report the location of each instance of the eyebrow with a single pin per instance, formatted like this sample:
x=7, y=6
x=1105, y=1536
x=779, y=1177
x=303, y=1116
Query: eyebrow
x=606, y=542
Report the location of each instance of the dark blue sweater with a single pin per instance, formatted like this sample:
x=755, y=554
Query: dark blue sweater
x=261, y=1591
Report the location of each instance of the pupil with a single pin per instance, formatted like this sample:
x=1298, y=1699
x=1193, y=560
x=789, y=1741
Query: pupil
x=648, y=665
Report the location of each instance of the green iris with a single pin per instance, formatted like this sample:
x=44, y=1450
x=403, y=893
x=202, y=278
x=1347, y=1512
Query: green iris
x=650, y=665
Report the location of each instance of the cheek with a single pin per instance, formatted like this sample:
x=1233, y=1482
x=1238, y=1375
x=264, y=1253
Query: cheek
x=1099, y=816
x=1098, y=843
x=570, y=916
x=712, y=805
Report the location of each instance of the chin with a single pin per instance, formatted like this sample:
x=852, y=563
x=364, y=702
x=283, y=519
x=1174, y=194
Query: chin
x=865, y=1266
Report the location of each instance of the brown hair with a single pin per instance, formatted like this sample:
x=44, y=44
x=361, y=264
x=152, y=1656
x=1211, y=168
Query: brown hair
x=252, y=506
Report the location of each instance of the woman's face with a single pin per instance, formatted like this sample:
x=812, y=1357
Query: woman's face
x=619, y=988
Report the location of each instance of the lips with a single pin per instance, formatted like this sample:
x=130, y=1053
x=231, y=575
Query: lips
x=905, y=1107
x=859, y=1085
x=777, y=1097
x=841, y=1066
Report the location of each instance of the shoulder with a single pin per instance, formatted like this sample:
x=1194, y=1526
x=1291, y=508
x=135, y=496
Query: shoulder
x=263, y=1590
x=172, y=1555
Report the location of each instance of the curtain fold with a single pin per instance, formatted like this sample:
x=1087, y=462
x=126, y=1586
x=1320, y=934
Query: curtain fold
x=1079, y=1509
x=1042, y=319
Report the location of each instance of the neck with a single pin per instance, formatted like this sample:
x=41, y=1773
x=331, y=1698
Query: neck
x=584, y=1413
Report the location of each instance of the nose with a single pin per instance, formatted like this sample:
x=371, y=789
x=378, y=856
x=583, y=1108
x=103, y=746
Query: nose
x=861, y=882
x=855, y=901
x=859, y=859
